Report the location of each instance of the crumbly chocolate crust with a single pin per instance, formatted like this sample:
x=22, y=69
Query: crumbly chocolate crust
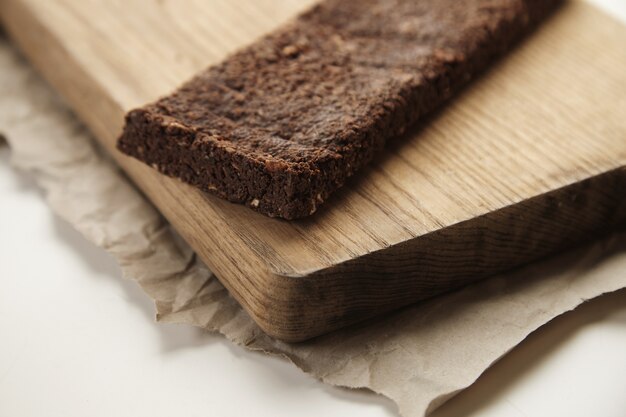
x=283, y=123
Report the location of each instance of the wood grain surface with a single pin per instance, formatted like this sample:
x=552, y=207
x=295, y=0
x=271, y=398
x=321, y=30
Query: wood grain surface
x=527, y=161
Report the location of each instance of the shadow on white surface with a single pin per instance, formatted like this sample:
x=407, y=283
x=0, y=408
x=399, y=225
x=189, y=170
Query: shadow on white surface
x=173, y=337
x=280, y=376
x=533, y=354
x=98, y=261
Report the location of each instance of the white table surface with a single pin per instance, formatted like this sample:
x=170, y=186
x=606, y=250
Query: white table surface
x=78, y=340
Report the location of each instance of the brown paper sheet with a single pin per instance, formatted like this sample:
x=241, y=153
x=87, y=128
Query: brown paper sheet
x=418, y=357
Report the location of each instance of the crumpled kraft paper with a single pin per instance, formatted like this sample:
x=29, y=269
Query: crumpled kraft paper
x=419, y=357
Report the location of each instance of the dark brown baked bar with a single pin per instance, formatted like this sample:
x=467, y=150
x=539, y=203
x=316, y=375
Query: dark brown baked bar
x=283, y=123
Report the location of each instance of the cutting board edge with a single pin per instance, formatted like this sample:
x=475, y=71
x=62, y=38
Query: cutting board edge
x=568, y=216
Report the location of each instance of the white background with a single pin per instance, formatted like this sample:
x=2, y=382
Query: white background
x=78, y=340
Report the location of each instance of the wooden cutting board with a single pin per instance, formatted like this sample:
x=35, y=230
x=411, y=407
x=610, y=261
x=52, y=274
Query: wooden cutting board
x=528, y=160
